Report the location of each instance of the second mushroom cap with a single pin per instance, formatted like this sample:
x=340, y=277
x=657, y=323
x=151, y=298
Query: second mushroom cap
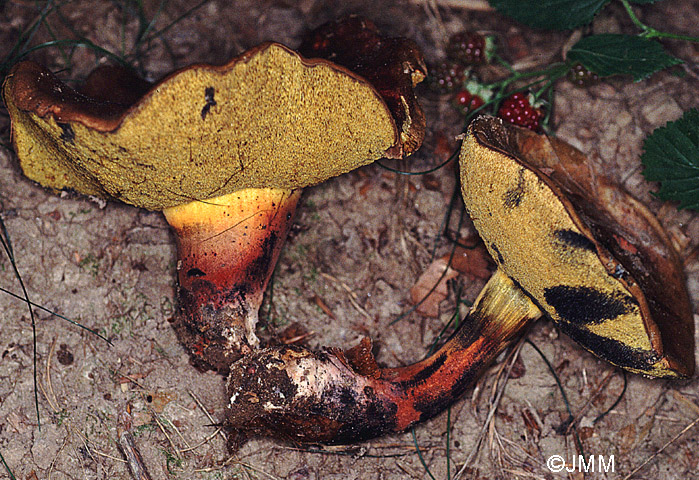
x=590, y=255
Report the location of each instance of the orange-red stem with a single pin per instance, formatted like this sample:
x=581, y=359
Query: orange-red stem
x=344, y=397
x=227, y=249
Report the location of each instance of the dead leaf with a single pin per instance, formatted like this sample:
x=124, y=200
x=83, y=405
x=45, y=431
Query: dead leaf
x=158, y=400
x=474, y=262
x=518, y=368
x=586, y=432
x=296, y=333
x=444, y=146
x=532, y=425
x=432, y=182
x=626, y=438
x=431, y=288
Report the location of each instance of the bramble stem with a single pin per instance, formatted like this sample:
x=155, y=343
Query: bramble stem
x=650, y=32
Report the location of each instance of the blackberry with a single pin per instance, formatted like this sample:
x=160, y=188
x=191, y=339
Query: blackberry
x=581, y=76
x=466, y=102
x=467, y=48
x=447, y=77
x=516, y=109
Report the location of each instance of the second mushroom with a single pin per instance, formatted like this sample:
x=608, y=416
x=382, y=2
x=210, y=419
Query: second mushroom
x=569, y=245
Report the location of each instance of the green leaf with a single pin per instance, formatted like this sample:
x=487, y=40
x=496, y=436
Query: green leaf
x=550, y=14
x=644, y=2
x=615, y=54
x=671, y=157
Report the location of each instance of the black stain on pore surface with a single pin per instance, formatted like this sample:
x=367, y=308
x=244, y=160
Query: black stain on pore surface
x=610, y=349
x=210, y=102
x=575, y=240
x=585, y=305
x=68, y=134
x=500, y=258
x=513, y=197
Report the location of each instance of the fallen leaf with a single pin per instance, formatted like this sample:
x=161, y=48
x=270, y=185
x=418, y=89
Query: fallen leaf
x=158, y=400
x=531, y=423
x=475, y=261
x=626, y=438
x=295, y=333
x=431, y=288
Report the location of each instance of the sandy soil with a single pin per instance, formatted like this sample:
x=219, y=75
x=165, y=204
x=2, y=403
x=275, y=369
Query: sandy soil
x=359, y=243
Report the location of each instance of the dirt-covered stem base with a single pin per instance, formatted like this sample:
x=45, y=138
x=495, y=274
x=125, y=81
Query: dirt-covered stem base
x=227, y=249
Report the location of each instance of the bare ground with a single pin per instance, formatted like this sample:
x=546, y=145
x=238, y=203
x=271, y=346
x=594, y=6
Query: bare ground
x=359, y=243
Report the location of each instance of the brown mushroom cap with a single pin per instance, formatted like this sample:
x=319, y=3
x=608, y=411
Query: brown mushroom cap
x=269, y=118
x=592, y=257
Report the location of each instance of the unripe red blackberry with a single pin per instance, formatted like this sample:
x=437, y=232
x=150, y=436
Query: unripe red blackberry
x=466, y=102
x=516, y=109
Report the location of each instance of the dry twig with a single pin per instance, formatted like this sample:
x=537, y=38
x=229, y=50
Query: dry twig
x=127, y=445
x=473, y=5
x=605, y=381
x=352, y=295
x=661, y=449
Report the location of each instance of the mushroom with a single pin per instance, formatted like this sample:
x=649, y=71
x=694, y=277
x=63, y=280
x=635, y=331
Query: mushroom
x=587, y=253
x=568, y=245
x=224, y=152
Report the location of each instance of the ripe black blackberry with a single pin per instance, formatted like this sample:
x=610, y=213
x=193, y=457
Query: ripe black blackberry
x=447, y=77
x=581, y=76
x=467, y=48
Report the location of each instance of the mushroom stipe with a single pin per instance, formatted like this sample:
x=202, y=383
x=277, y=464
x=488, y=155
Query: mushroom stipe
x=344, y=397
x=224, y=267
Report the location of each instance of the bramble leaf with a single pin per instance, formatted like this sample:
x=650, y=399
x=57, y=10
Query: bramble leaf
x=616, y=54
x=671, y=157
x=550, y=14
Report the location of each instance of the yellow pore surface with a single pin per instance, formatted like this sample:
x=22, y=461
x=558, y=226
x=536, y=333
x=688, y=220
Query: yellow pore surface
x=276, y=122
x=518, y=214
